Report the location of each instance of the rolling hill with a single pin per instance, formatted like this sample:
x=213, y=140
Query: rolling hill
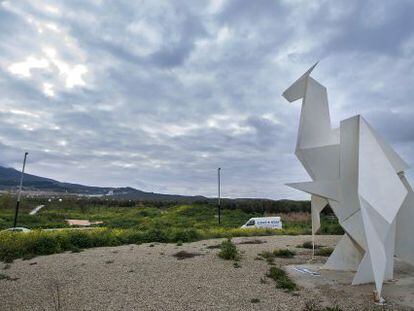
x=10, y=178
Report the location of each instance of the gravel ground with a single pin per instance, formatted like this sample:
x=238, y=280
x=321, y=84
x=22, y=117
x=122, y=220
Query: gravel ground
x=149, y=277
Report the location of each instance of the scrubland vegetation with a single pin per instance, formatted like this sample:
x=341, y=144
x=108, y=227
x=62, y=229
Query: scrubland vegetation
x=282, y=279
x=229, y=251
x=138, y=222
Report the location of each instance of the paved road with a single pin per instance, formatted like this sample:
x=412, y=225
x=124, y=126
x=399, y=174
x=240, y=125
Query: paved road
x=38, y=208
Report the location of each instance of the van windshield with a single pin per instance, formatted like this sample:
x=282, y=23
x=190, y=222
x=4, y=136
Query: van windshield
x=251, y=223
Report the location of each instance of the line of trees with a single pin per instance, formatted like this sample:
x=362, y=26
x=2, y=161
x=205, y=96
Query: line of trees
x=263, y=206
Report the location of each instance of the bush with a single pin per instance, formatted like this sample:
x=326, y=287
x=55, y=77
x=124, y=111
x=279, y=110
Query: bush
x=79, y=239
x=281, y=253
x=155, y=235
x=228, y=250
x=269, y=256
x=282, y=279
x=326, y=251
x=184, y=235
x=308, y=245
x=284, y=253
x=184, y=255
x=314, y=306
x=44, y=245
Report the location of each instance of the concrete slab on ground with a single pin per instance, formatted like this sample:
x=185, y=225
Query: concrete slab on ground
x=399, y=291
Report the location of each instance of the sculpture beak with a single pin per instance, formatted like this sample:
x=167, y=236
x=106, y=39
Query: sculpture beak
x=297, y=89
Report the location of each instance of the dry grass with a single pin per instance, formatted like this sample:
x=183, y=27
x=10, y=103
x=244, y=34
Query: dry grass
x=300, y=216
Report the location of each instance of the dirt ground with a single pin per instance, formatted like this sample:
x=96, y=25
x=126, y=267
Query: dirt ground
x=150, y=277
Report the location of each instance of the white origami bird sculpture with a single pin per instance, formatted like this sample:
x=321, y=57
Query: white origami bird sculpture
x=362, y=178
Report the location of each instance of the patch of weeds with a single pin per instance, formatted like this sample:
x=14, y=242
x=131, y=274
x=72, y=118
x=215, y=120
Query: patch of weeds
x=256, y=241
x=185, y=255
x=284, y=253
x=228, y=250
x=255, y=300
x=268, y=256
x=213, y=246
x=258, y=258
x=326, y=251
x=282, y=279
x=76, y=250
x=314, y=306
x=311, y=305
x=151, y=245
x=236, y=264
x=109, y=261
x=179, y=243
x=308, y=245
x=33, y=263
x=7, y=266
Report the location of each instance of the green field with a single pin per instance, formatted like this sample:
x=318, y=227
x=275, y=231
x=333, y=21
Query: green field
x=135, y=222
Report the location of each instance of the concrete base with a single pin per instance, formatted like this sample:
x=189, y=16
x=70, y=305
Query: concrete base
x=396, y=292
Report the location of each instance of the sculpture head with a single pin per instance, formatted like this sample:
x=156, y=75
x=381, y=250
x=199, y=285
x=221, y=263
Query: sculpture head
x=298, y=88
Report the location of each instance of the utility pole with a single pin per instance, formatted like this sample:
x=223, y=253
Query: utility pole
x=19, y=191
x=218, y=196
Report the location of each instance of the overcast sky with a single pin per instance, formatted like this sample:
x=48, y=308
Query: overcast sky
x=157, y=94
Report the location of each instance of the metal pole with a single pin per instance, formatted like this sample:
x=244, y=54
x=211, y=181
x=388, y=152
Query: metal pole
x=313, y=244
x=218, y=202
x=19, y=193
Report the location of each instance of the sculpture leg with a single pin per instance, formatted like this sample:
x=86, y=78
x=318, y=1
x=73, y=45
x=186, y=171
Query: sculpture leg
x=346, y=256
x=404, y=247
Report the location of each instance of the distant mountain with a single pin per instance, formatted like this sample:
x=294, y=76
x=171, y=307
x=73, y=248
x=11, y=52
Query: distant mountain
x=10, y=178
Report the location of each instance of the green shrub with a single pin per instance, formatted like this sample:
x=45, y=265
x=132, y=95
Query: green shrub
x=284, y=253
x=330, y=226
x=156, y=235
x=314, y=306
x=326, y=251
x=228, y=250
x=44, y=245
x=307, y=245
x=184, y=235
x=184, y=255
x=269, y=256
x=282, y=279
x=80, y=239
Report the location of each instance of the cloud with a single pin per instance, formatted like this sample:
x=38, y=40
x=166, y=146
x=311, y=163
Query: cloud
x=158, y=94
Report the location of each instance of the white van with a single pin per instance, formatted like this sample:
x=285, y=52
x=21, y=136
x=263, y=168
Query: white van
x=264, y=222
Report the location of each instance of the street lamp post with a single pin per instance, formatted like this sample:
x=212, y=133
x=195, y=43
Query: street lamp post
x=19, y=191
x=218, y=196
